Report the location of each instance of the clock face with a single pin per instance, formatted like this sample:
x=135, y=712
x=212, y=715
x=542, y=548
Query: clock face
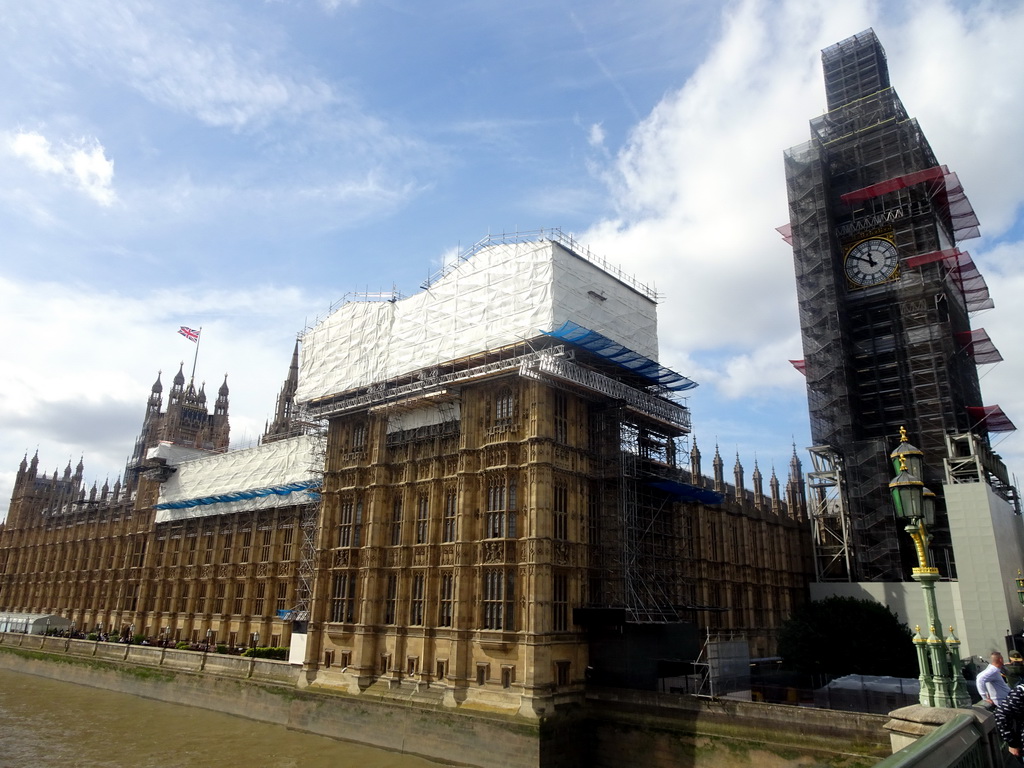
x=871, y=262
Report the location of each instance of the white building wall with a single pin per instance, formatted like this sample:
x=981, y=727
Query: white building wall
x=988, y=540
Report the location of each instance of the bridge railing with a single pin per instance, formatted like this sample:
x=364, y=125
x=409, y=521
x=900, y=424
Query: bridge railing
x=959, y=743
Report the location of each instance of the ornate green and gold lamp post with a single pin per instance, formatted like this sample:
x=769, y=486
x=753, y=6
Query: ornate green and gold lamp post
x=942, y=685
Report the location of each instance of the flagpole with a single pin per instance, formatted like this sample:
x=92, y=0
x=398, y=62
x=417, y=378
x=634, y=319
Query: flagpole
x=199, y=337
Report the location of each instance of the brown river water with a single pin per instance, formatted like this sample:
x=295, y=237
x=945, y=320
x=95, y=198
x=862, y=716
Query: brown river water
x=46, y=722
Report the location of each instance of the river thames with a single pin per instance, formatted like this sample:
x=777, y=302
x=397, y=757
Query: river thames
x=51, y=723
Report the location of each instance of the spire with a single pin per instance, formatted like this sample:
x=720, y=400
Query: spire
x=737, y=477
x=202, y=393
x=756, y=479
x=220, y=408
x=177, y=386
x=695, y=470
x=158, y=387
x=719, y=467
x=773, y=485
x=796, y=471
x=795, y=497
x=284, y=416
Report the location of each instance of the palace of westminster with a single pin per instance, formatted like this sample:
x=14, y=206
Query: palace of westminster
x=488, y=492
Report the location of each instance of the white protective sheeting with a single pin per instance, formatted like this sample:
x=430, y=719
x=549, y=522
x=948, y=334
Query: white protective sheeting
x=271, y=465
x=503, y=294
x=175, y=454
x=423, y=417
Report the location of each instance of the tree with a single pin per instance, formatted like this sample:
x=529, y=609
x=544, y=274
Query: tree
x=846, y=635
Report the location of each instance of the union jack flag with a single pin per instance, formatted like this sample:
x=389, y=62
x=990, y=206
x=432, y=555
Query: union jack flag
x=189, y=333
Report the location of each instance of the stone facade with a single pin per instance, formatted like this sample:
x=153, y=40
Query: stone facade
x=494, y=533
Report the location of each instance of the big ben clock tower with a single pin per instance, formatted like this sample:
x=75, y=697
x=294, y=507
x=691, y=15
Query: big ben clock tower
x=885, y=297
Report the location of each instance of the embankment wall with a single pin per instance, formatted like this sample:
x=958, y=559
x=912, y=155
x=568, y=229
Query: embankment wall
x=614, y=728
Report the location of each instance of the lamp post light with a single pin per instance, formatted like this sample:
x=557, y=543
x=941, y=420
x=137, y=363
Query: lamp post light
x=938, y=659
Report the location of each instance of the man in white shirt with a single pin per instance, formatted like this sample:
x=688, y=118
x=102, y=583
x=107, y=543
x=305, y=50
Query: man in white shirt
x=991, y=682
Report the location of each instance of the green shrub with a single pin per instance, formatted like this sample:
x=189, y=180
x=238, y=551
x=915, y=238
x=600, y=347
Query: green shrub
x=221, y=648
x=182, y=645
x=92, y=636
x=266, y=652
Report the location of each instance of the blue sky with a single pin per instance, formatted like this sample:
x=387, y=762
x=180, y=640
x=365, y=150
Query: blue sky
x=241, y=166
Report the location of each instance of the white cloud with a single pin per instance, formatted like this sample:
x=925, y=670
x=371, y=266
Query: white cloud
x=596, y=136
x=185, y=57
x=81, y=164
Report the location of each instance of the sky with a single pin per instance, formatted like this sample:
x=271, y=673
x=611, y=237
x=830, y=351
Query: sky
x=240, y=166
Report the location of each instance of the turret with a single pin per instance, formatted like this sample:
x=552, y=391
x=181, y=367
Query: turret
x=155, y=398
x=284, y=415
x=695, y=470
x=177, y=386
x=719, y=468
x=220, y=408
x=795, y=488
x=22, y=471
x=756, y=479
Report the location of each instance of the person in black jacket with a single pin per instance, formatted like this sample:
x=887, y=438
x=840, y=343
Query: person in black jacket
x=1010, y=720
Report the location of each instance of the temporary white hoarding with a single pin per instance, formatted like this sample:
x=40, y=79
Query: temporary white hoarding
x=503, y=294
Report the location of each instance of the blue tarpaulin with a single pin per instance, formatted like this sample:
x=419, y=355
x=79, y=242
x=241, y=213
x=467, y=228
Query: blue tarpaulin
x=277, y=490
x=687, y=492
x=602, y=346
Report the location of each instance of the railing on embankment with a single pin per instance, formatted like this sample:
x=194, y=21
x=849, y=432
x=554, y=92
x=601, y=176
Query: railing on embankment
x=242, y=667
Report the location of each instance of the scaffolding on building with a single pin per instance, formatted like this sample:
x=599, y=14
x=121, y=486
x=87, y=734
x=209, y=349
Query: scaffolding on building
x=637, y=536
x=829, y=515
x=309, y=524
x=897, y=353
